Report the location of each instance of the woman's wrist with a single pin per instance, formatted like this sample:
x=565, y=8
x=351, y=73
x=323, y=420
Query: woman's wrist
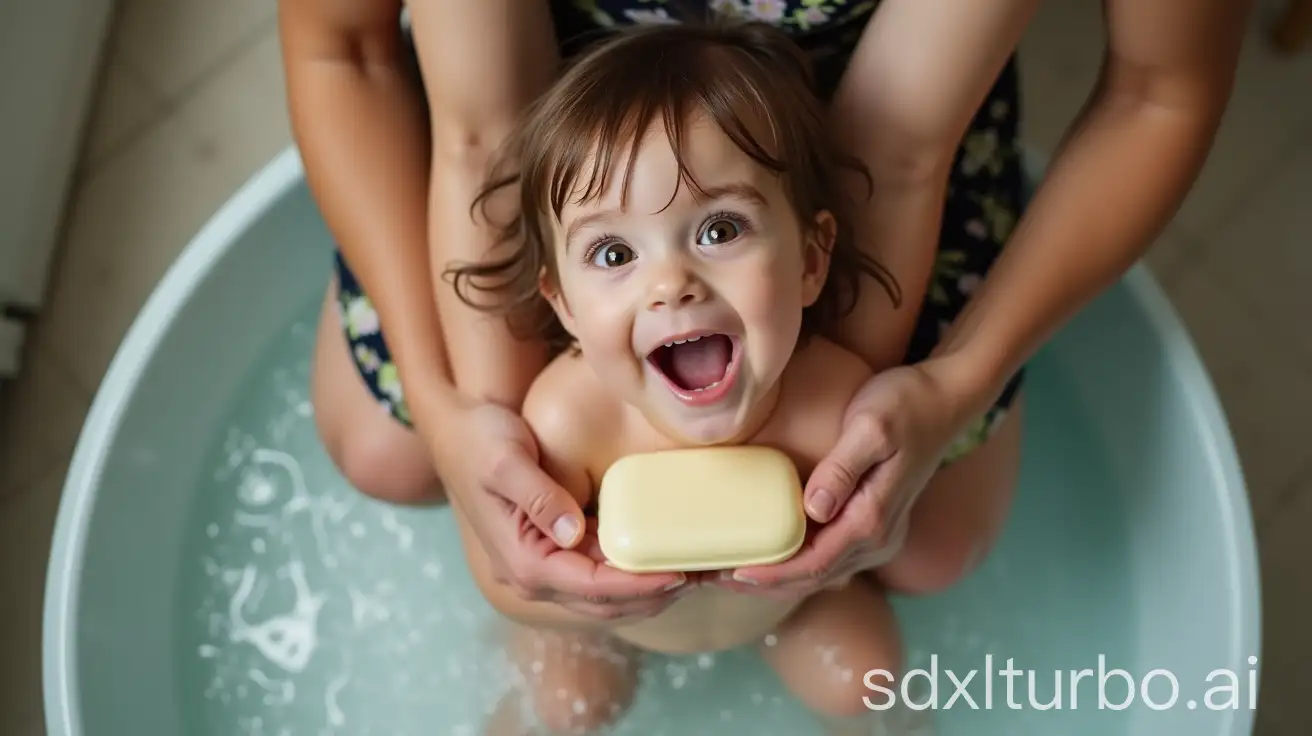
x=434, y=405
x=971, y=379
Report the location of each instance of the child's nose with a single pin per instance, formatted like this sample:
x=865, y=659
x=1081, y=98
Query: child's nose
x=674, y=285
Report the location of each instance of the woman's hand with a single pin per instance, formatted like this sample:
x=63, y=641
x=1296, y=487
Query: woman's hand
x=897, y=429
x=531, y=527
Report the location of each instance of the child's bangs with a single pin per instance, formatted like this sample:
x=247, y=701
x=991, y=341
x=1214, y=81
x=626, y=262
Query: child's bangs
x=596, y=134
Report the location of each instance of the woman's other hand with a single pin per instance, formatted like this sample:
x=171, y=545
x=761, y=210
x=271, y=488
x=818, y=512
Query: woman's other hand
x=897, y=430
x=531, y=528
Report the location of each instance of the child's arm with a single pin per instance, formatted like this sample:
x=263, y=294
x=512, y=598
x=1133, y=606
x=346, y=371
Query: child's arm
x=560, y=419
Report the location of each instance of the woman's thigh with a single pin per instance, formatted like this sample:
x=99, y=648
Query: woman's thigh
x=376, y=453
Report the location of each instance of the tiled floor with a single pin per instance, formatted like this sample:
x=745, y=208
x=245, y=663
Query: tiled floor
x=192, y=104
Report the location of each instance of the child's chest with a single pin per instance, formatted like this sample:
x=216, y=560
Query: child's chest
x=711, y=617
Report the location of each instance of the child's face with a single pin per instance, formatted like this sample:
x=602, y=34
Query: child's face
x=690, y=308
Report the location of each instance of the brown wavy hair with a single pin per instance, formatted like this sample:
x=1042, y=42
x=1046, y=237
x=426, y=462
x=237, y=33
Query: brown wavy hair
x=745, y=77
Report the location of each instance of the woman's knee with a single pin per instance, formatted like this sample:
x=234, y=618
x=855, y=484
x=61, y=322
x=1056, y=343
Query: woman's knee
x=960, y=516
x=934, y=572
x=377, y=455
x=381, y=465
x=939, y=555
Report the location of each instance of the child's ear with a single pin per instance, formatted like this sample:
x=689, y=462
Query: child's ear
x=551, y=292
x=819, y=241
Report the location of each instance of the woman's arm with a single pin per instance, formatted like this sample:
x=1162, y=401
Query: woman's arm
x=915, y=80
x=1117, y=180
x=358, y=120
x=905, y=104
x=572, y=428
x=483, y=62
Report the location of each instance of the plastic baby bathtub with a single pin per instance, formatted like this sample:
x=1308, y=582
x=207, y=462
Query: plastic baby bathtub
x=211, y=574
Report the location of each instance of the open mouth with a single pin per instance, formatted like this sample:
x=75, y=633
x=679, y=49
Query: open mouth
x=699, y=369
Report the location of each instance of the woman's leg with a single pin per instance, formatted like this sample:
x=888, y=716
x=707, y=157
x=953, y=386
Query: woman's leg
x=960, y=514
x=377, y=454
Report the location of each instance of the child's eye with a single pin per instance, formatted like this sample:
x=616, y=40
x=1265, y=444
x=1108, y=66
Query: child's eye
x=612, y=255
x=720, y=230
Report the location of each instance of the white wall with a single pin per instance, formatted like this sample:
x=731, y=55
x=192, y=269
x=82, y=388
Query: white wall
x=50, y=56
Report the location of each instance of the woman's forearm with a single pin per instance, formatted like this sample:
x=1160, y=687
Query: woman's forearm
x=487, y=361
x=363, y=137
x=1111, y=189
x=483, y=63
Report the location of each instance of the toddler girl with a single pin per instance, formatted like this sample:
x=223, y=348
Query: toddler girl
x=680, y=237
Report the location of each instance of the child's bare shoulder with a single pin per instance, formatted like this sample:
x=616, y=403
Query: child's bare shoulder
x=823, y=368
x=817, y=387
x=571, y=418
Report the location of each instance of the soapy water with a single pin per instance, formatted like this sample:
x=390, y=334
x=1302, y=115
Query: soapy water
x=310, y=609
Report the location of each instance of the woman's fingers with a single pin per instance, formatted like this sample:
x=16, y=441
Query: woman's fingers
x=610, y=608
x=565, y=568
x=864, y=443
x=570, y=575
x=857, y=527
x=539, y=570
x=519, y=479
x=609, y=613
x=823, y=551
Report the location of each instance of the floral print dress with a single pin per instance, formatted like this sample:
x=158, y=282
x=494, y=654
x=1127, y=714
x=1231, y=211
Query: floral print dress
x=985, y=192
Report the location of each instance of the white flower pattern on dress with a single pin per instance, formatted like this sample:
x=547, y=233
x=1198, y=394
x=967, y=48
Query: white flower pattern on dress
x=389, y=382
x=982, y=151
x=727, y=8
x=368, y=359
x=360, y=317
x=813, y=13
x=770, y=11
x=650, y=17
x=976, y=229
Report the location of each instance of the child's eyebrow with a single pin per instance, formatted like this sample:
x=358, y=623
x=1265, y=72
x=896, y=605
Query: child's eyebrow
x=734, y=190
x=584, y=221
x=739, y=190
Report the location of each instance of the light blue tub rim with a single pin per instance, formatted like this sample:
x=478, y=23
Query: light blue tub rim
x=266, y=189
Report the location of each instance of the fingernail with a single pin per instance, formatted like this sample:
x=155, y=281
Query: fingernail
x=564, y=530
x=739, y=578
x=677, y=583
x=821, y=504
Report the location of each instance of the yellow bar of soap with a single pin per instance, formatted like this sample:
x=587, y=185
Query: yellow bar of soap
x=705, y=508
